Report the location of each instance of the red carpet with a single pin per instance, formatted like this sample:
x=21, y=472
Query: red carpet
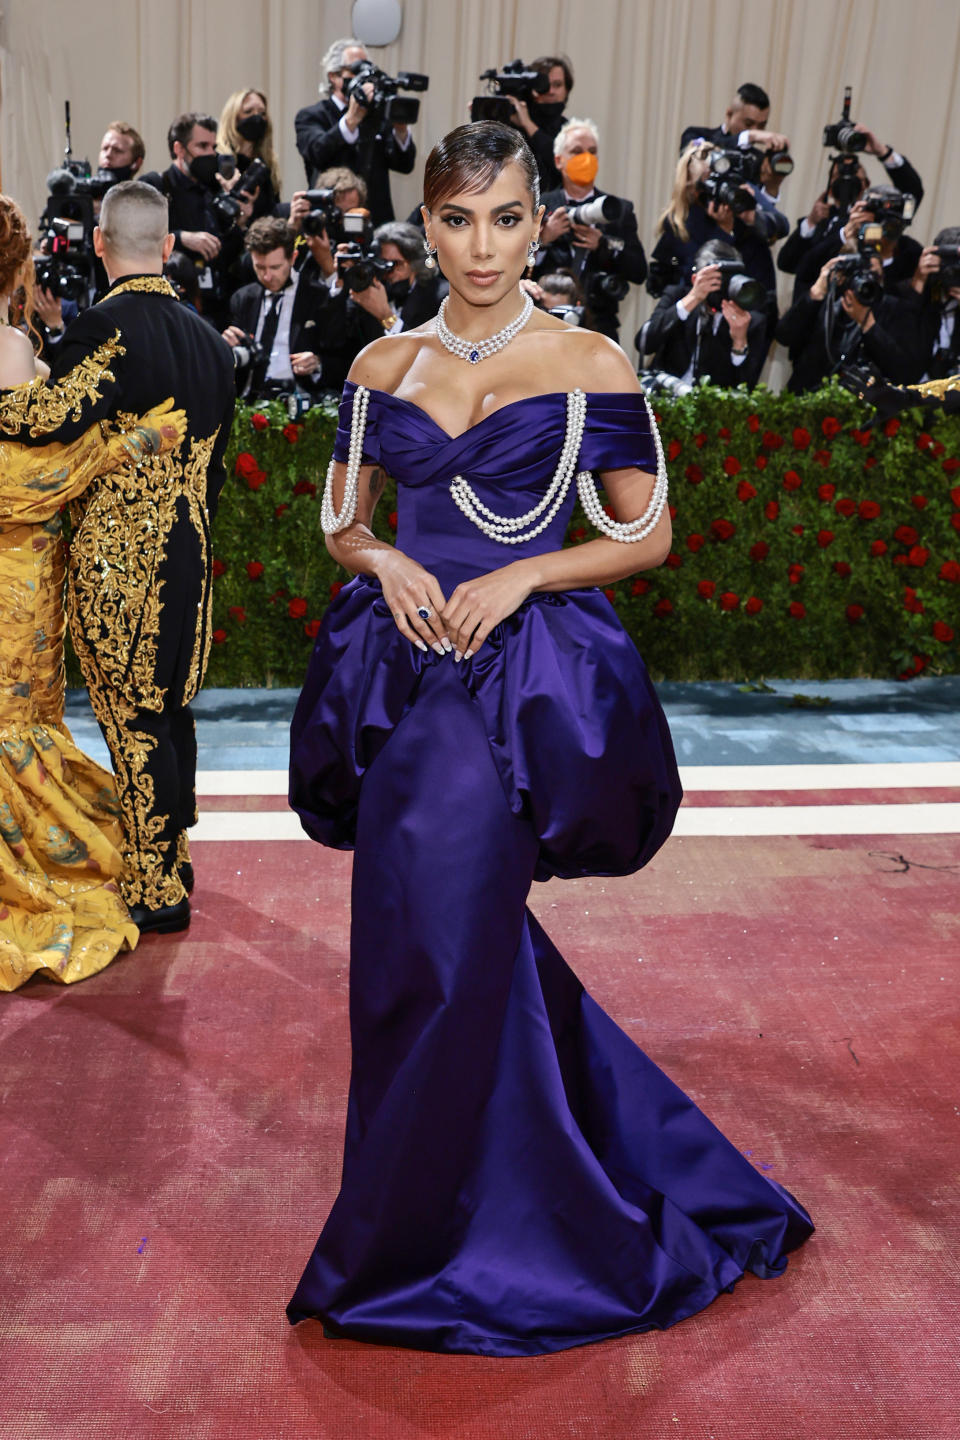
x=171, y=1135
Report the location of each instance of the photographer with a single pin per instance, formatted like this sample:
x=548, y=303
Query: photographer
x=931, y=306
x=846, y=181
x=284, y=311
x=716, y=329
x=745, y=124
x=204, y=220
x=406, y=296
x=121, y=151
x=845, y=317
x=343, y=130
x=602, y=250
x=540, y=115
x=246, y=132
x=899, y=253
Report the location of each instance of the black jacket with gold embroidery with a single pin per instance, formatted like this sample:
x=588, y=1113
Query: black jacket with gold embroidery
x=139, y=574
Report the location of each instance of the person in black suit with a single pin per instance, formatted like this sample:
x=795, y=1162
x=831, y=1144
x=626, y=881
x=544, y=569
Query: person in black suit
x=827, y=326
x=542, y=120
x=287, y=309
x=337, y=131
x=694, y=335
x=930, y=304
x=745, y=124
x=603, y=259
x=899, y=254
x=139, y=593
x=408, y=296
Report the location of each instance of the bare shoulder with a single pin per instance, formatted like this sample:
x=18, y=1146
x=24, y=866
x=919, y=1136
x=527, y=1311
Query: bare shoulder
x=382, y=364
x=17, y=361
x=584, y=358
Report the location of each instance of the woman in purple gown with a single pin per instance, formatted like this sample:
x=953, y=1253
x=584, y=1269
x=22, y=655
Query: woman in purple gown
x=518, y=1177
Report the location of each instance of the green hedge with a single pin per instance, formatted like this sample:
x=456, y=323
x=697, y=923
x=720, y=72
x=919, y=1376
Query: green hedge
x=804, y=546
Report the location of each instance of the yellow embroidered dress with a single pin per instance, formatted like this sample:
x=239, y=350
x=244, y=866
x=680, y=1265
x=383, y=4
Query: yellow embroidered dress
x=61, y=913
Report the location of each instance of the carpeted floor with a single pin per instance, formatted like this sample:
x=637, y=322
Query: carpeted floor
x=171, y=1131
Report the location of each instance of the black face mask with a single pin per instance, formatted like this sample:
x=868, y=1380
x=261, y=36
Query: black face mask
x=252, y=128
x=547, y=109
x=118, y=173
x=398, y=291
x=204, y=168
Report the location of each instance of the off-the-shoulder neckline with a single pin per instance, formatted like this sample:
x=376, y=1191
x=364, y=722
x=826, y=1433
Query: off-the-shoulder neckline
x=523, y=400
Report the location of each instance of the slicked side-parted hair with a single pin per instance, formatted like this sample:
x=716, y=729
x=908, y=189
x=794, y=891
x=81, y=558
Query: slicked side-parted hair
x=470, y=158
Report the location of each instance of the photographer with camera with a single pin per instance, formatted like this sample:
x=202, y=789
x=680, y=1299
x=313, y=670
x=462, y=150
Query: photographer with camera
x=406, y=295
x=899, y=253
x=311, y=215
x=277, y=323
x=845, y=318
x=931, y=306
x=588, y=231
x=539, y=112
x=744, y=125
x=246, y=132
x=360, y=122
x=716, y=329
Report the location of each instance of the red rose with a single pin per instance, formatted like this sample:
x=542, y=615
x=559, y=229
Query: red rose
x=919, y=502
x=700, y=440
x=906, y=535
x=259, y=421
x=846, y=507
x=673, y=449
x=822, y=457
x=673, y=560
x=707, y=589
x=729, y=600
x=694, y=474
x=826, y=492
x=861, y=437
x=761, y=462
x=640, y=587
x=609, y=511
x=291, y=433
x=297, y=608
x=878, y=547
x=281, y=510
x=672, y=509
x=830, y=426
x=237, y=612
x=745, y=491
x=955, y=519
x=218, y=637
x=791, y=480
x=311, y=628
x=246, y=465
x=731, y=465
x=257, y=479
x=219, y=568
x=870, y=461
x=937, y=449
x=772, y=509
x=335, y=587
x=919, y=663
x=663, y=607
x=578, y=534
x=924, y=441
x=797, y=529
x=955, y=493
x=695, y=542
x=796, y=609
x=900, y=560
x=918, y=555
x=795, y=573
x=942, y=632
x=868, y=509
x=891, y=427
x=910, y=601
x=753, y=606
x=825, y=538
x=304, y=487
x=753, y=423
x=254, y=569
x=842, y=568
x=950, y=467
x=801, y=439
x=759, y=550
x=392, y=519
x=854, y=613
x=771, y=441
x=610, y=594
x=722, y=529
x=723, y=433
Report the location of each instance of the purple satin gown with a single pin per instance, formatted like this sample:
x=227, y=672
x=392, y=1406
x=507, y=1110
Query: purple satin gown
x=518, y=1176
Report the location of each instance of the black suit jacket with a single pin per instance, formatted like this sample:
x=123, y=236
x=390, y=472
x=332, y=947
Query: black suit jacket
x=714, y=133
x=803, y=329
x=375, y=154
x=313, y=324
x=674, y=343
x=628, y=262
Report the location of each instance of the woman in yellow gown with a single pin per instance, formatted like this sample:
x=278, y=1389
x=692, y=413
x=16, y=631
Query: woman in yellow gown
x=61, y=913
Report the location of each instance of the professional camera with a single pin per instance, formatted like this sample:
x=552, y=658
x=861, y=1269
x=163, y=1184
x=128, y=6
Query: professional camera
x=253, y=179
x=358, y=267
x=385, y=103
x=602, y=210
x=891, y=208
x=54, y=272
x=661, y=382
x=847, y=184
x=514, y=79
x=661, y=274
x=949, y=255
x=248, y=352
x=726, y=181
x=844, y=136
x=855, y=273
x=226, y=212
x=604, y=290
x=326, y=218
x=736, y=285
x=573, y=314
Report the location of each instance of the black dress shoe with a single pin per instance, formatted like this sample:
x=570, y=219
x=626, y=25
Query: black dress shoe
x=165, y=920
x=185, y=871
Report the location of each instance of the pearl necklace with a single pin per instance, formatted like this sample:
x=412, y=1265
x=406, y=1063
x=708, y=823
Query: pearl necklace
x=330, y=521
x=476, y=350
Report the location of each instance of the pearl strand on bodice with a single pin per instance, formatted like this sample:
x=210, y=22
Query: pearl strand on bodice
x=644, y=524
x=330, y=520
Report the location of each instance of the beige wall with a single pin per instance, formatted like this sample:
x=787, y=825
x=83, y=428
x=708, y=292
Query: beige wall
x=644, y=69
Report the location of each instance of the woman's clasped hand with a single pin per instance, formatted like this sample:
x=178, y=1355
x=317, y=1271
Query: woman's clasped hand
x=459, y=624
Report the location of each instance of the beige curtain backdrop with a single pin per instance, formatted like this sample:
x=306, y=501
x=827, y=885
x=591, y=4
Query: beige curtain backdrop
x=644, y=69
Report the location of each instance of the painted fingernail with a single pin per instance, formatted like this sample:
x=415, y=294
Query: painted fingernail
x=439, y=648
x=468, y=655
x=457, y=657
x=446, y=645
x=421, y=646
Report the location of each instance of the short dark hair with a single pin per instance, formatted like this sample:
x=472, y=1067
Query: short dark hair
x=545, y=63
x=471, y=157
x=711, y=252
x=754, y=95
x=182, y=128
x=137, y=147
x=270, y=233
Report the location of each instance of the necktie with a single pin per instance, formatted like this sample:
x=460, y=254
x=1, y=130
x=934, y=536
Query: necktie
x=267, y=336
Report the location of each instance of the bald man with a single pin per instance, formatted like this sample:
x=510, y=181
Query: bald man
x=139, y=571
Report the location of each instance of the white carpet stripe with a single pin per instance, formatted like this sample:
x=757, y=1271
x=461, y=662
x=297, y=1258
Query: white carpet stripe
x=734, y=820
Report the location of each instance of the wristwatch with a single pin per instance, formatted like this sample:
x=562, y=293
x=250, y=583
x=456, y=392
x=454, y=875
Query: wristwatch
x=389, y=321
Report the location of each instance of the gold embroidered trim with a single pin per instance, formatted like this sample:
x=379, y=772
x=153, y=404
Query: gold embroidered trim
x=41, y=407
x=937, y=387
x=144, y=285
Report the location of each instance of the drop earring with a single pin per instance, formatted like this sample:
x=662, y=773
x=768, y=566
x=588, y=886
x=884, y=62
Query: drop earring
x=431, y=259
